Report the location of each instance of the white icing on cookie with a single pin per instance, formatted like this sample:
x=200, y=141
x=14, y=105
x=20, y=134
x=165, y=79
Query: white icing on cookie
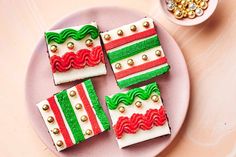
x=141, y=135
x=75, y=74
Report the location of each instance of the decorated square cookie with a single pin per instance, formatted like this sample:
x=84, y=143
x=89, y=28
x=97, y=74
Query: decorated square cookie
x=75, y=53
x=138, y=115
x=134, y=52
x=73, y=115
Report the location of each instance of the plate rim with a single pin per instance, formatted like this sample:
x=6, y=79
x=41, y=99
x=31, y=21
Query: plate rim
x=88, y=9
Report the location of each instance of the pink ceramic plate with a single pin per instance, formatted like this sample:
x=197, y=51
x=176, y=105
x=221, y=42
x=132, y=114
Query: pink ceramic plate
x=174, y=87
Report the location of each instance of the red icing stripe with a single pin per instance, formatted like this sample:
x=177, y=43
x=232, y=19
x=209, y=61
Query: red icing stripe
x=153, y=117
x=78, y=60
x=59, y=119
x=141, y=67
x=88, y=108
x=128, y=39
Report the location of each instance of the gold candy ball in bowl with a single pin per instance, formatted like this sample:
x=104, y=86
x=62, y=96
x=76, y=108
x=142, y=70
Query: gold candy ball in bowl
x=178, y=14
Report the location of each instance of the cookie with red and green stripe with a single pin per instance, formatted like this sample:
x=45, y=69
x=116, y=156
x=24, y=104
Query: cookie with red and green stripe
x=75, y=53
x=135, y=53
x=73, y=115
x=138, y=115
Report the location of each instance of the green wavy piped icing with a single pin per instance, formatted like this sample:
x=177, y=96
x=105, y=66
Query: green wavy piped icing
x=128, y=98
x=61, y=37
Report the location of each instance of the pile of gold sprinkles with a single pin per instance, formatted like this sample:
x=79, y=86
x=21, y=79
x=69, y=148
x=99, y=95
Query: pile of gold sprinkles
x=187, y=8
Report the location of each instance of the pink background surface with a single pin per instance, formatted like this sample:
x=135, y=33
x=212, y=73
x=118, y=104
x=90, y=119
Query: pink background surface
x=210, y=126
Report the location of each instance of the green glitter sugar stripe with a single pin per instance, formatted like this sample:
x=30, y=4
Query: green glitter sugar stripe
x=143, y=77
x=133, y=49
x=128, y=98
x=61, y=37
x=70, y=116
x=96, y=105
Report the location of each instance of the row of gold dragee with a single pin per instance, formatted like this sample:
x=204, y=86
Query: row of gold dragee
x=187, y=8
x=79, y=107
x=120, y=32
x=138, y=104
x=71, y=45
x=73, y=115
x=51, y=121
x=130, y=62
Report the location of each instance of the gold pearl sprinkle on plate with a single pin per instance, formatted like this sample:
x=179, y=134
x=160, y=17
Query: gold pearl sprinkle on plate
x=107, y=37
x=83, y=118
x=70, y=45
x=130, y=62
x=50, y=119
x=158, y=53
x=45, y=107
x=155, y=98
x=78, y=106
x=59, y=143
x=133, y=28
x=144, y=57
x=121, y=109
x=89, y=42
x=56, y=131
x=118, y=66
x=53, y=48
x=138, y=104
x=72, y=93
x=88, y=132
x=120, y=32
x=146, y=24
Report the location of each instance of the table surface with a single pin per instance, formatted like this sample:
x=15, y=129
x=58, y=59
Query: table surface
x=210, y=126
